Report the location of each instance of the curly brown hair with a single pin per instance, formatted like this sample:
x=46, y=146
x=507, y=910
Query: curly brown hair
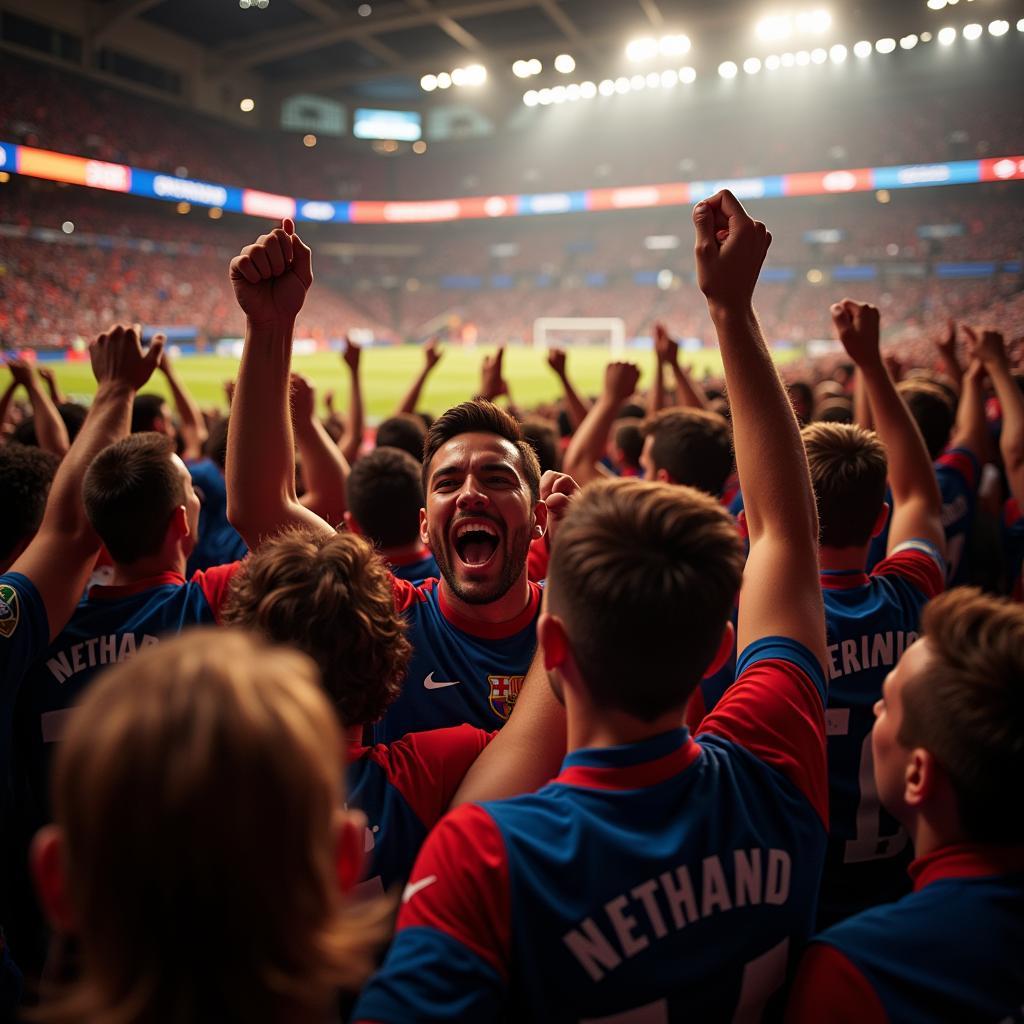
x=331, y=597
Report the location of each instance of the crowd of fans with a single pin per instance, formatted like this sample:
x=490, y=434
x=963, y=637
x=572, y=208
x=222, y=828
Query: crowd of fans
x=696, y=702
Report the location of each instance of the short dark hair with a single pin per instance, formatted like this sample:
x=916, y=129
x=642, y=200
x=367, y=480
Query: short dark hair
x=331, y=597
x=146, y=410
x=216, y=447
x=481, y=417
x=130, y=493
x=404, y=431
x=932, y=411
x=801, y=391
x=848, y=470
x=73, y=416
x=385, y=495
x=629, y=439
x=26, y=473
x=835, y=410
x=658, y=563
x=543, y=438
x=694, y=446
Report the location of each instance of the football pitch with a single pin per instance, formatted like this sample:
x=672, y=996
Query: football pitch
x=388, y=372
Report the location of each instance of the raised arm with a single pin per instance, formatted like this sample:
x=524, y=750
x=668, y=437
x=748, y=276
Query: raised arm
x=270, y=280
x=323, y=467
x=5, y=405
x=971, y=428
x=946, y=347
x=190, y=417
x=778, y=499
x=917, y=502
x=61, y=556
x=689, y=394
x=51, y=433
x=574, y=405
x=990, y=348
x=353, y=439
x=53, y=386
x=589, y=443
x=431, y=357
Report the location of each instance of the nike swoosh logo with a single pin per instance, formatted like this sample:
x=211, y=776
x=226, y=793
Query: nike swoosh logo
x=431, y=685
x=414, y=887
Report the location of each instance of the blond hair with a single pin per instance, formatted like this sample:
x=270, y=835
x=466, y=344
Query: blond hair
x=199, y=792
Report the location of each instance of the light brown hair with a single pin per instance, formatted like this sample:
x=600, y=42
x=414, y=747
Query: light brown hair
x=644, y=567
x=198, y=790
x=967, y=708
x=694, y=446
x=332, y=597
x=848, y=471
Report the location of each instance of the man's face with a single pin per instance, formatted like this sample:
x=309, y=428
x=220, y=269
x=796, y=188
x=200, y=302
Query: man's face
x=479, y=517
x=890, y=756
x=192, y=503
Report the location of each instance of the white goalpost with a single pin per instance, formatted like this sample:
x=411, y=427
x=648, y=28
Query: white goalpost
x=571, y=331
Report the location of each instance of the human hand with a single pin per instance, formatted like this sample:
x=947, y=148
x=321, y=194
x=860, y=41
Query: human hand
x=118, y=358
x=857, y=326
x=229, y=391
x=665, y=346
x=894, y=366
x=620, y=381
x=492, y=381
x=556, y=360
x=303, y=397
x=947, y=343
x=988, y=347
x=271, y=277
x=21, y=372
x=48, y=375
x=350, y=357
x=558, y=491
x=432, y=353
x=730, y=250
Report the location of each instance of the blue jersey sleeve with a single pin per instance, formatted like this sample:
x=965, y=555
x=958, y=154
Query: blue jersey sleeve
x=24, y=628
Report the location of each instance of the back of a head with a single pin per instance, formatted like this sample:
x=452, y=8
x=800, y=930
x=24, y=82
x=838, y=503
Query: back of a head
x=543, y=438
x=658, y=564
x=629, y=439
x=71, y=413
x=385, y=495
x=26, y=473
x=404, y=431
x=835, y=410
x=216, y=447
x=330, y=596
x=481, y=417
x=848, y=471
x=967, y=708
x=216, y=897
x=146, y=410
x=694, y=446
x=932, y=410
x=130, y=493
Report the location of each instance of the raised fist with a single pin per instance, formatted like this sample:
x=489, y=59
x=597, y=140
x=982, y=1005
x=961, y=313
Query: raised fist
x=21, y=371
x=857, y=326
x=117, y=357
x=271, y=277
x=492, y=381
x=556, y=360
x=350, y=357
x=947, y=343
x=666, y=347
x=558, y=491
x=730, y=251
x=620, y=381
x=432, y=353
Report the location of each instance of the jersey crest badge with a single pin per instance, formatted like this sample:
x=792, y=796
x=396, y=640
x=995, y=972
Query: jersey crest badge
x=504, y=691
x=10, y=612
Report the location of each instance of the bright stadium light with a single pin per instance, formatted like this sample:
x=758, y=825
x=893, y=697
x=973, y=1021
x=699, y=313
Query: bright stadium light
x=559, y=94
x=544, y=97
x=68, y=227
x=444, y=80
x=572, y=92
x=460, y=77
x=814, y=22
x=637, y=82
x=772, y=62
x=998, y=28
x=565, y=64
x=669, y=78
x=248, y=105
x=752, y=65
x=521, y=69
x=788, y=60
x=588, y=90
x=687, y=75
x=727, y=69
x=886, y=45
x=476, y=74
x=862, y=49
x=653, y=80
x=926, y=37
x=819, y=55
x=936, y=5
x=972, y=31
x=428, y=83
x=674, y=46
x=947, y=36
x=908, y=42
x=607, y=87
x=1020, y=25
x=530, y=98
x=774, y=28
x=803, y=58
x=642, y=49
x=838, y=53
x=622, y=85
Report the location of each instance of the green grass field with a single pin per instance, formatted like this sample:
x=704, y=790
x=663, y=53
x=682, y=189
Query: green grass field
x=387, y=373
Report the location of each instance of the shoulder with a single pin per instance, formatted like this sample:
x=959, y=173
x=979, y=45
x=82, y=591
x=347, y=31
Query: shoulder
x=918, y=562
x=963, y=463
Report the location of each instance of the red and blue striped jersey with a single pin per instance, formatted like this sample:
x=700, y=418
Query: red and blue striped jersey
x=461, y=670
x=665, y=880
x=219, y=542
x=953, y=950
x=420, y=567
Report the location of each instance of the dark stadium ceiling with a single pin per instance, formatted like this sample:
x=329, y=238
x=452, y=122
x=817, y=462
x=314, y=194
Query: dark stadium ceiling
x=329, y=46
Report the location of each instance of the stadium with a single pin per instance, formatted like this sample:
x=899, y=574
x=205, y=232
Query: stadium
x=582, y=429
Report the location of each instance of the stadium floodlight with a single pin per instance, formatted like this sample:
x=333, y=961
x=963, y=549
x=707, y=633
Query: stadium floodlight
x=774, y=27
x=544, y=97
x=999, y=27
x=727, y=69
x=862, y=49
x=572, y=92
x=248, y=105
x=687, y=75
x=622, y=85
x=803, y=58
x=926, y=37
x=637, y=82
x=838, y=53
x=559, y=94
x=364, y=10
x=521, y=69
x=787, y=60
x=565, y=64
x=536, y=67
x=476, y=74
x=908, y=42
x=886, y=45
x=68, y=227
x=309, y=141
x=752, y=65
x=819, y=55
x=428, y=83
x=1020, y=25
x=530, y=98
x=444, y=80
x=607, y=87
x=588, y=90
x=642, y=49
x=972, y=31
x=653, y=80
x=674, y=46
x=947, y=36
x=245, y=4
x=814, y=22
x=936, y=5
x=459, y=76
x=772, y=62
x=669, y=78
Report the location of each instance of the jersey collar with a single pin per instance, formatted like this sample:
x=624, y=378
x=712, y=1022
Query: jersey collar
x=164, y=579
x=490, y=630
x=401, y=561
x=631, y=765
x=966, y=860
x=843, y=579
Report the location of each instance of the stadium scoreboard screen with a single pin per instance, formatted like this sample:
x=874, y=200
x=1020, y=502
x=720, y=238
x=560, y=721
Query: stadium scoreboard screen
x=397, y=125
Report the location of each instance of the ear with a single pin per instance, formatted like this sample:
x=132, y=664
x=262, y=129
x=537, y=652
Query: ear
x=920, y=778
x=424, y=534
x=540, y=520
x=350, y=524
x=663, y=477
x=46, y=859
x=725, y=649
x=883, y=518
x=741, y=523
x=350, y=849
x=553, y=639
x=179, y=525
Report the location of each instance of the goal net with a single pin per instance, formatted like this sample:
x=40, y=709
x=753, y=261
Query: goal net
x=576, y=331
